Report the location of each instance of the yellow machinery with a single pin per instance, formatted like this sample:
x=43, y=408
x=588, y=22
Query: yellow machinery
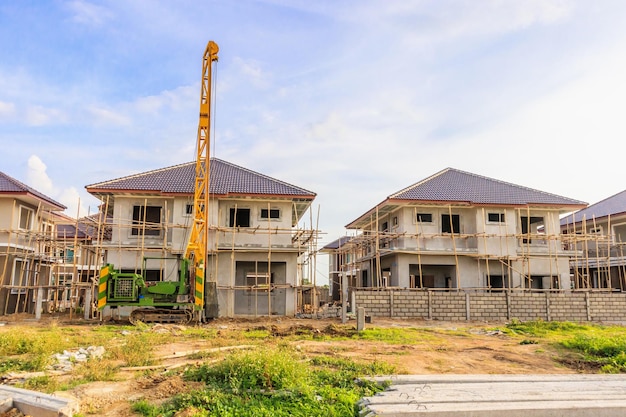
x=199, y=236
x=181, y=300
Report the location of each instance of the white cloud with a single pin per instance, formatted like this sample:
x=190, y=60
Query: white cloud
x=7, y=110
x=88, y=14
x=168, y=100
x=71, y=198
x=37, y=177
x=107, y=117
x=252, y=71
x=41, y=116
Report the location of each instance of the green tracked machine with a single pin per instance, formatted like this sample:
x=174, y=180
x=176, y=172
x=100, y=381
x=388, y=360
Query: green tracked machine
x=155, y=302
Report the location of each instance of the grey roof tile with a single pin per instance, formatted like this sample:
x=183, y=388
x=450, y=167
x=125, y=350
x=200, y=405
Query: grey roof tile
x=226, y=178
x=9, y=185
x=616, y=204
x=455, y=185
x=337, y=243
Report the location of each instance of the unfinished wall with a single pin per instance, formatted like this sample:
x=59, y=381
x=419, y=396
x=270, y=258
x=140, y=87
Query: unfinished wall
x=496, y=306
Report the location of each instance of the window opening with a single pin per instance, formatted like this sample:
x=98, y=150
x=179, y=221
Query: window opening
x=270, y=214
x=495, y=217
x=20, y=276
x=450, y=224
x=424, y=217
x=152, y=219
x=26, y=218
x=239, y=217
x=530, y=226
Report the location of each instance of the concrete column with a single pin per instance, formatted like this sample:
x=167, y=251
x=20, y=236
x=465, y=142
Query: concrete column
x=87, y=307
x=353, y=303
x=467, y=307
x=360, y=319
x=508, y=305
x=400, y=274
x=38, y=303
x=430, y=305
x=344, y=298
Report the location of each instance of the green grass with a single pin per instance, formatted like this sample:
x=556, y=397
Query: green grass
x=274, y=382
x=587, y=347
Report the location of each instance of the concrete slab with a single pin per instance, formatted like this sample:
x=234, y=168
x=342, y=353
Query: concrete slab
x=494, y=395
x=38, y=404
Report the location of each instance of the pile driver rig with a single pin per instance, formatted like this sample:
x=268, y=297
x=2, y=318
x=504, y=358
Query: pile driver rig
x=183, y=300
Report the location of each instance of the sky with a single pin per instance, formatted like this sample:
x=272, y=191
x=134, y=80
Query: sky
x=353, y=100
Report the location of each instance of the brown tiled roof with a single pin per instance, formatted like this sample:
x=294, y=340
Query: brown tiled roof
x=458, y=186
x=610, y=206
x=9, y=185
x=455, y=186
x=226, y=178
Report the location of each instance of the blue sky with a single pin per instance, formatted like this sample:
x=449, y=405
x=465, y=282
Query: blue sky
x=352, y=99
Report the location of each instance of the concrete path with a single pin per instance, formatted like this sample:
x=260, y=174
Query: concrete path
x=499, y=395
x=35, y=403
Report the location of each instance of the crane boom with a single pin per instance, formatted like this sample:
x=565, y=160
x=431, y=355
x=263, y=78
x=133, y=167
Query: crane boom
x=198, y=239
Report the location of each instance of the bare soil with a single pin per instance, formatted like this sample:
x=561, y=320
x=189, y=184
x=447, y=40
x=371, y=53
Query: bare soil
x=448, y=347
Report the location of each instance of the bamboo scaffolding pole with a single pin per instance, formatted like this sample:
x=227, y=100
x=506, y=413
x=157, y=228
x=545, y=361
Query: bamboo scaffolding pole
x=269, y=263
x=31, y=223
x=484, y=225
x=456, y=256
x=5, y=275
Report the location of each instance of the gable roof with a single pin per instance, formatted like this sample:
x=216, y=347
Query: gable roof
x=610, y=206
x=459, y=186
x=455, y=186
x=225, y=179
x=11, y=186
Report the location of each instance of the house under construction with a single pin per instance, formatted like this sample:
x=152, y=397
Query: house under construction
x=47, y=260
x=461, y=231
x=259, y=260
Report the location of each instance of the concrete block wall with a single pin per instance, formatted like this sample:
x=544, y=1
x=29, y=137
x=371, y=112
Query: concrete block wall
x=569, y=307
x=607, y=306
x=529, y=306
x=523, y=306
x=449, y=306
x=488, y=307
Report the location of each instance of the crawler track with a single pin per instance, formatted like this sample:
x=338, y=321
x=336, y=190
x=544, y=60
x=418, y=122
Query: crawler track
x=160, y=315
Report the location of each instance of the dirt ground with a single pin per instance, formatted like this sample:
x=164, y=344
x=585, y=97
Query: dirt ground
x=453, y=348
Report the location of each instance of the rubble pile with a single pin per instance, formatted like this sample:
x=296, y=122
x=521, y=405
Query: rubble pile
x=64, y=362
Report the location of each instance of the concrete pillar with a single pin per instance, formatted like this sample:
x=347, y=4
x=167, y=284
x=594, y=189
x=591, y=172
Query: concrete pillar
x=353, y=303
x=38, y=303
x=87, y=306
x=400, y=274
x=360, y=319
x=344, y=297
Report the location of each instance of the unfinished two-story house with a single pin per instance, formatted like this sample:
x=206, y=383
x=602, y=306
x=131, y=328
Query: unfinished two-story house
x=598, y=232
x=255, y=248
x=456, y=229
x=27, y=244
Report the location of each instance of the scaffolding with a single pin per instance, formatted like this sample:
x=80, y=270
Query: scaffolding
x=47, y=264
x=261, y=247
x=593, y=261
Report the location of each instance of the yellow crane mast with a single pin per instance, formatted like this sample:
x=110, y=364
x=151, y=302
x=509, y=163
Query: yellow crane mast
x=197, y=246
